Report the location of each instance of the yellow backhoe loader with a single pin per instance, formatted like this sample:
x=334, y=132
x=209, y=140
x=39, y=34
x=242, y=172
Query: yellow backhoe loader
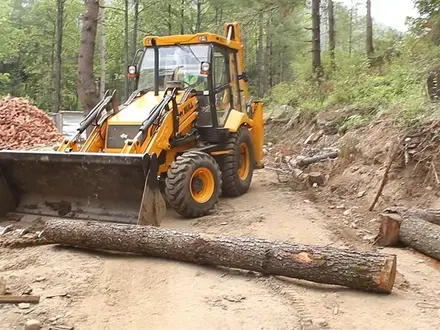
x=187, y=134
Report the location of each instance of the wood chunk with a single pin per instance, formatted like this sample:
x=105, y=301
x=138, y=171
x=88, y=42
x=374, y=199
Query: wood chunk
x=316, y=178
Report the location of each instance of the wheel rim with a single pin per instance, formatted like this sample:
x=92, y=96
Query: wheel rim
x=202, y=185
x=244, y=162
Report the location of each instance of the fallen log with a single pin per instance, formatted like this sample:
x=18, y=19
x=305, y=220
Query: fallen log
x=311, y=160
x=9, y=299
x=431, y=215
x=358, y=270
x=414, y=232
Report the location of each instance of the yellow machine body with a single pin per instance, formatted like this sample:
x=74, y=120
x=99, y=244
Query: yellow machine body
x=133, y=147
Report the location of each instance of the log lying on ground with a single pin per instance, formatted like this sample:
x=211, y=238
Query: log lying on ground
x=311, y=160
x=364, y=271
x=8, y=299
x=431, y=215
x=414, y=232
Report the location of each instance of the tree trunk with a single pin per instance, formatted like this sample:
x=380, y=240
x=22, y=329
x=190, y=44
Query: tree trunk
x=260, y=52
x=358, y=270
x=199, y=16
x=331, y=34
x=316, y=39
x=370, y=48
x=59, y=49
x=414, y=232
x=86, y=82
x=126, y=50
x=135, y=28
x=102, y=53
x=267, y=58
x=182, y=16
x=350, y=33
x=170, y=27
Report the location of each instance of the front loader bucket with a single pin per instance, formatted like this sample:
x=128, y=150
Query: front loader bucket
x=89, y=186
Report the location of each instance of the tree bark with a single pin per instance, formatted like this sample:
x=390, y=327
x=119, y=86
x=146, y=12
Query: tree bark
x=170, y=28
x=370, y=48
x=126, y=49
x=358, y=270
x=414, y=232
x=331, y=34
x=58, y=62
x=86, y=83
x=260, y=51
x=267, y=58
x=135, y=28
x=102, y=53
x=199, y=16
x=316, y=39
x=350, y=33
x=182, y=16
x=311, y=160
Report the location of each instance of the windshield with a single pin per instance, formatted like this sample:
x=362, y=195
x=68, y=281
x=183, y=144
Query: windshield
x=179, y=62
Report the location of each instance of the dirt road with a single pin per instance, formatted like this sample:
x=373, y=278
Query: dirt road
x=107, y=291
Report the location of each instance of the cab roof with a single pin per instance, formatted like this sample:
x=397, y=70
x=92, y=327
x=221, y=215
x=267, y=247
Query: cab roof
x=192, y=39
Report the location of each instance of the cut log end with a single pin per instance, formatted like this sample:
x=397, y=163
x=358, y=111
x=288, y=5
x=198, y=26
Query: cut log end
x=388, y=275
x=389, y=232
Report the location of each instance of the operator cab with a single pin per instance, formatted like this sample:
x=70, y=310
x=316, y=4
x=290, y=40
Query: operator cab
x=207, y=68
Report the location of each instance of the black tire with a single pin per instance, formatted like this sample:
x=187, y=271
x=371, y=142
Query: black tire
x=233, y=185
x=184, y=180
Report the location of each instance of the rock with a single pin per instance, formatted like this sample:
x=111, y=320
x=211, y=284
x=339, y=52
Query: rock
x=340, y=207
x=32, y=325
x=40, y=279
x=320, y=322
x=281, y=112
x=369, y=237
x=361, y=194
x=336, y=310
x=24, y=305
x=269, y=144
x=27, y=291
x=347, y=212
x=354, y=225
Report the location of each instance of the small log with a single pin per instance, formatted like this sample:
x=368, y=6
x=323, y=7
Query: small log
x=311, y=160
x=316, y=178
x=414, y=232
x=358, y=270
x=9, y=299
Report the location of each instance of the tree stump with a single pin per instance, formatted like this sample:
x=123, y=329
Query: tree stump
x=322, y=264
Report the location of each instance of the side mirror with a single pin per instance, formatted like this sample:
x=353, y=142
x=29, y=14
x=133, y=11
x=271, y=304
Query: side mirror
x=205, y=68
x=132, y=71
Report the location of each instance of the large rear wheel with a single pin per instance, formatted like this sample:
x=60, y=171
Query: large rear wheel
x=238, y=165
x=193, y=184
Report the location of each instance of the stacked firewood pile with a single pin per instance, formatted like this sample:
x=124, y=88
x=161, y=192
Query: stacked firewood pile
x=24, y=126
